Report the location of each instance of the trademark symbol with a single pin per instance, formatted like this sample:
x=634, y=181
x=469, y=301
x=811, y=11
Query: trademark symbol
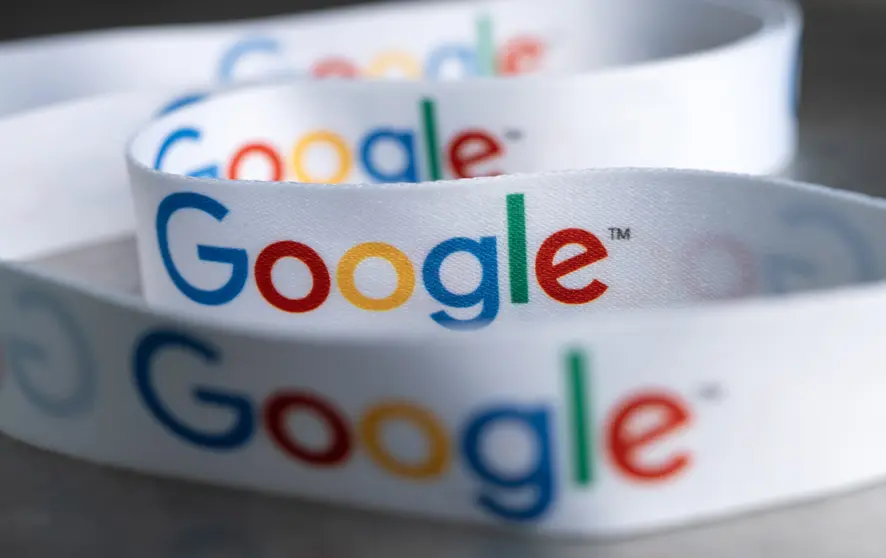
x=711, y=392
x=618, y=233
x=513, y=135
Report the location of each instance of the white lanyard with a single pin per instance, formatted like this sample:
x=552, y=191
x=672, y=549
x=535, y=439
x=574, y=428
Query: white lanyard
x=577, y=352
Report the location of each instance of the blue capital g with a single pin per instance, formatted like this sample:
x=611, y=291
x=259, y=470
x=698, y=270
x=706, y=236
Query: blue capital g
x=236, y=258
x=233, y=55
x=778, y=268
x=155, y=341
x=23, y=355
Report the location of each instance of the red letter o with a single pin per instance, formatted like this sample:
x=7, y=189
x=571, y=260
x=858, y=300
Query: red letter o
x=279, y=405
x=273, y=253
x=335, y=67
x=260, y=148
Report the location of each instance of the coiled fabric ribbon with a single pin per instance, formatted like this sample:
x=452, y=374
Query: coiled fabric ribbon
x=342, y=303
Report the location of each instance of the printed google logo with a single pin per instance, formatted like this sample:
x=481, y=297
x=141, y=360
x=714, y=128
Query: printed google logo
x=621, y=441
x=464, y=151
x=548, y=271
x=517, y=55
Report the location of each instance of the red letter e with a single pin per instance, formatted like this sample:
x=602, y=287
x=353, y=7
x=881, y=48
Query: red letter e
x=625, y=438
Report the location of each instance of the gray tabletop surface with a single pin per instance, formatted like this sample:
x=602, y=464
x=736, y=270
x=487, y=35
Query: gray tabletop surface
x=52, y=506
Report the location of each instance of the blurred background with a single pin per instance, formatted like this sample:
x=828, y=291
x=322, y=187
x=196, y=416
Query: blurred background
x=37, y=17
x=55, y=507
